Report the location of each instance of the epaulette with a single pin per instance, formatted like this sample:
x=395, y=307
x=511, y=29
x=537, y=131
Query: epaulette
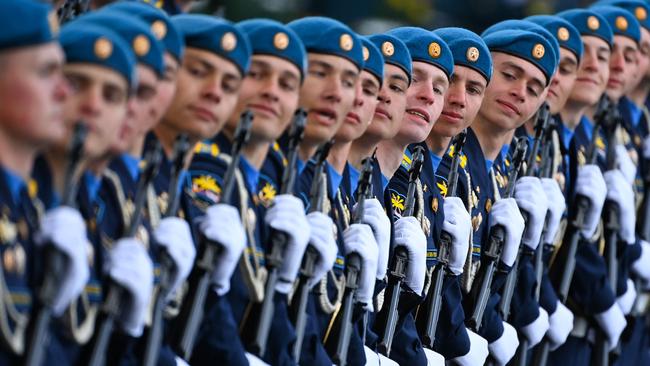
x=278, y=150
x=207, y=148
x=406, y=159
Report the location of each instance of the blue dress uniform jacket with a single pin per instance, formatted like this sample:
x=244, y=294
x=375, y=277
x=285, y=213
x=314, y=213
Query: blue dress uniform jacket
x=451, y=337
x=215, y=340
x=476, y=189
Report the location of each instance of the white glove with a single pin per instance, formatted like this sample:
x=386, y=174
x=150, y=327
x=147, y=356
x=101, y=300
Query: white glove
x=221, y=224
x=458, y=224
x=64, y=228
x=504, y=348
x=385, y=361
x=287, y=214
x=624, y=164
x=321, y=238
x=506, y=213
x=626, y=301
x=254, y=360
x=372, y=358
x=173, y=233
x=408, y=233
x=358, y=238
x=642, y=265
x=612, y=322
x=375, y=216
x=478, y=351
x=621, y=192
x=591, y=184
x=130, y=267
x=560, y=326
x=531, y=199
x=535, y=331
x=434, y=358
x=556, y=208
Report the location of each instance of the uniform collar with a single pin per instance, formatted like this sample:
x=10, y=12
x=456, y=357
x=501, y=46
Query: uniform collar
x=335, y=178
x=132, y=165
x=92, y=184
x=251, y=174
x=353, y=175
x=15, y=184
x=435, y=161
x=634, y=111
x=587, y=127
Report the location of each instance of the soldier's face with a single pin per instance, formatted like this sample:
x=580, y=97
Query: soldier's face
x=269, y=90
x=357, y=120
x=206, y=94
x=32, y=93
x=462, y=101
x=514, y=94
x=99, y=98
x=623, y=66
x=644, y=57
x=593, y=72
x=392, y=103
x=327, y=94
x=562, y=81
x=140, y=114
x=424, y=102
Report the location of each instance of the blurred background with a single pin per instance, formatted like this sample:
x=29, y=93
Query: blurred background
x=371, y=16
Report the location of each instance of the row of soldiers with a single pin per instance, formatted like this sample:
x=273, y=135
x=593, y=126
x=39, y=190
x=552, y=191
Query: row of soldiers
x=184, y=190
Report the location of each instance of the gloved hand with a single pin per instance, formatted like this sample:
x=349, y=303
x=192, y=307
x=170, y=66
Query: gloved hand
x=372, y=358
x=612, y=322
x=287, y=214
x=375, y=216
x=408, y=233
x=458, y=224
x=478, y=351
x=173, y=234
x=535, y=331
x=504, y=348
x=131, y=268
x=254, y=360
x=621, y=192
x=65, y=229
x=506, y=213
x=322, y=240
x=560, y=326
x=556, y=208
x=624, y=164
x=434, y=358
x=358, y=238
x=626, y=301
x=531, y=199
x=642, y=265
x=385, y=361
x=591, y=184
x=222, y=224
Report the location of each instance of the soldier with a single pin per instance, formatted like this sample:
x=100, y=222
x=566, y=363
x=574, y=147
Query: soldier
x=32, y=84
x=472, y=72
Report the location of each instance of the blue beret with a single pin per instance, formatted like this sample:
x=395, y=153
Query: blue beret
x=148, y=50
x=329, y=36
x=218, y=36
x=160, y=24
x=394, y=52
x=95, y=44
x=622, y=22
x=565, y=33
x=426, y=47
x=527, y=26
x=526, y=45
x=274, y=38
x=640, y=9
x=468, y=49
x=373, y=61
x=26, y=23
x=589, y=23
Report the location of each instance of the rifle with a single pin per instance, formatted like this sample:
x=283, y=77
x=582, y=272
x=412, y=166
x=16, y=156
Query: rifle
x=511, y=281
x=38, y=334
x=167, y=267
x=427, y=323
x=339, y=343
x=115, y=293
x=191, y=314
x=490, y=258
x=400, y=260
x=563, y=267
x=611, y=225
